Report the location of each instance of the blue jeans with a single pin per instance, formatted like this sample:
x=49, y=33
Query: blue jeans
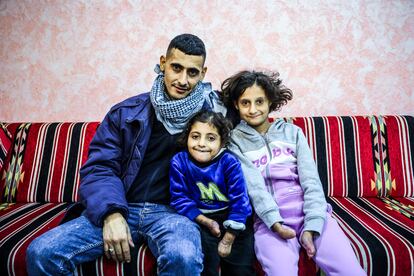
x=173, y=239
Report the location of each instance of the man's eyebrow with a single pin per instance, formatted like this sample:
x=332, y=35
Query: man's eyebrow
x=177, y=64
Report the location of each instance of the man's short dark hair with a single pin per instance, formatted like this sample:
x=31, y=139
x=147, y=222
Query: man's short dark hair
x=188, y=44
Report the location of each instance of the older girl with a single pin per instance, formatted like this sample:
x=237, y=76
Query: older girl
x=283, y=182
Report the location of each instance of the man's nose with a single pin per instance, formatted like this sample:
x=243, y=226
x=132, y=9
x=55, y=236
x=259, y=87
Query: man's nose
x=183, y=78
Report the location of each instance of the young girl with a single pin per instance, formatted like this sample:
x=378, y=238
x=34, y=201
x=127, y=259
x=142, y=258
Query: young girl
x=283, y=182
x=207, y=186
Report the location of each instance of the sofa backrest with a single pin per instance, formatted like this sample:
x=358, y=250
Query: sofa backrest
x=44, y=161
x=356, y=156
x=362, y=156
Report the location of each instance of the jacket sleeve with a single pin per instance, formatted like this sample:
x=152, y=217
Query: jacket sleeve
x=180, y=195
x=315, y=205
x=237, y=193
x=101, y=189
x=263, y=203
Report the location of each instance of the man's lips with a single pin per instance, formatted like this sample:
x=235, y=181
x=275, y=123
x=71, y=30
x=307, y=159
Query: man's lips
x=180, y=89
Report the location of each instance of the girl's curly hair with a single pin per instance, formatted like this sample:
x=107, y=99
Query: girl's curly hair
x=233, y=87
x=222, y=124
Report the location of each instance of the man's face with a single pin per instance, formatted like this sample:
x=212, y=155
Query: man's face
x=181, y=73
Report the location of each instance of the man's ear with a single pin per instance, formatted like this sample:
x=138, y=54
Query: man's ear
x=162, y=63
x=203, y=73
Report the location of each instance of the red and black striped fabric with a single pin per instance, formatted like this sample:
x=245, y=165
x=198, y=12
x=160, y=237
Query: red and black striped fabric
x=45, y=160
x=20, y=223
x=343, y=151
x=5, y=143
x=366, y=167
x=365, y=164
x=39, y=180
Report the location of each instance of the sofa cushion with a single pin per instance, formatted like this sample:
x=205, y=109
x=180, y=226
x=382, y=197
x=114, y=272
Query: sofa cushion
x=45, y=161
x=5, y=144
x=20, y=223
x=381, y=235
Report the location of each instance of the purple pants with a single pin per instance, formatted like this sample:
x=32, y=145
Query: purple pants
x=334, y=254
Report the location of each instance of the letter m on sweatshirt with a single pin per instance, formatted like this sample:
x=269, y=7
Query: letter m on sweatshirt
x=211, y=192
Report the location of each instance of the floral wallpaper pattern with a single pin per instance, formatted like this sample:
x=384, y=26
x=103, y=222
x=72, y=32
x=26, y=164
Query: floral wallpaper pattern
x=72, y=60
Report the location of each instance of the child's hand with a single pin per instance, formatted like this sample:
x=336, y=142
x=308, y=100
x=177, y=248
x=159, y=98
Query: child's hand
x=285, y=232
x=212, y=225
x=224, y=247
x=214, y=228
x=307, y=243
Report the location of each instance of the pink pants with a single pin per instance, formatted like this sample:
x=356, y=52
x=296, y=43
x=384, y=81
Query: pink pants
x=334, y=254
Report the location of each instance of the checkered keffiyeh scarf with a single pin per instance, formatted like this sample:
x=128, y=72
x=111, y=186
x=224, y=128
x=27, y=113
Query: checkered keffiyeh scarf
x=174, y=114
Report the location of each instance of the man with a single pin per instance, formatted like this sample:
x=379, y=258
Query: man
x=125, y=184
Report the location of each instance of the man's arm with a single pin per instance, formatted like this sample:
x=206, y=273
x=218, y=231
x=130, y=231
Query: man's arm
x=102, y=191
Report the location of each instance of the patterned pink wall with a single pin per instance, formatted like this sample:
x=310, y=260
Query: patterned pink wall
x=72, y=60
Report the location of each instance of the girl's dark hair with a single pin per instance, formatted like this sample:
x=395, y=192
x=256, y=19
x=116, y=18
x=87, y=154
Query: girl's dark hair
x=233, y=87
x=222, y=124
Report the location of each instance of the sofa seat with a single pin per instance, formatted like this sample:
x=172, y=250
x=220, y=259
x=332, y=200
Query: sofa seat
x=20, y=223
x=381, y=232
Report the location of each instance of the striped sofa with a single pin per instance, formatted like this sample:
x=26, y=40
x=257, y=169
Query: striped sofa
x=365, y=163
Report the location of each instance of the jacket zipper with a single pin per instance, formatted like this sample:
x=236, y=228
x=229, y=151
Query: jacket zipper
x=267, y=170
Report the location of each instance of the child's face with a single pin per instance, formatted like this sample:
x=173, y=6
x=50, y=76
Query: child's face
x=204, y=142
x=253, y=106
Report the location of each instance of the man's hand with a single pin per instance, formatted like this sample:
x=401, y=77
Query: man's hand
x=212, y=225
x=307, y=243
x=285, y=232
x=117, y=238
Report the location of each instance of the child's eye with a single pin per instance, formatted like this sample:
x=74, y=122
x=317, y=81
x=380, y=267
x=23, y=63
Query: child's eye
x=194, y=137
x=211, y=138
x=244, y=103
x=260, y=101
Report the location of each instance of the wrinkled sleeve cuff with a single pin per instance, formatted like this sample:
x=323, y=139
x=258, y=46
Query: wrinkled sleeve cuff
x=315, y=224
x=111, y=210
x=271, y=217
x=193, y=213
x=231, y=224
